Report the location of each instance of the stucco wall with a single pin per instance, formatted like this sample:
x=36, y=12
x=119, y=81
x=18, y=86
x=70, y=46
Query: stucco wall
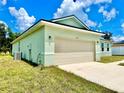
x=14, y=48
x=101, y=53
x=71, y=21
x=34, y=43
x=105, y=52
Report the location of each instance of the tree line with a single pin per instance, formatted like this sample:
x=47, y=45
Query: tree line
x=6, y=37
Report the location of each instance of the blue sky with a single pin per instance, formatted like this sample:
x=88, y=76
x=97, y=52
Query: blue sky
x=101, y=15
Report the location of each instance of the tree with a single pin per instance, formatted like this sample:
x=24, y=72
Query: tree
x=107, y=35
x=10, y=36
x=3, y=29
x=6, y=37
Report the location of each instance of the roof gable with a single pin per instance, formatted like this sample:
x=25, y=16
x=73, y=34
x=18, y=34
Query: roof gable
x=71, y=21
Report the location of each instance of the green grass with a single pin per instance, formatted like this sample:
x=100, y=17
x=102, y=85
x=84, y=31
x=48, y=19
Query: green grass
x=108, y=59
x=20, y=77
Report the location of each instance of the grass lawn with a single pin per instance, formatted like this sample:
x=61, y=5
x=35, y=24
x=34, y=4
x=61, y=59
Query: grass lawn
x=20, y=77
x=108, y=59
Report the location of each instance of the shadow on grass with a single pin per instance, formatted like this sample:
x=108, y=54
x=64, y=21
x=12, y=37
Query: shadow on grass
x=30, y=62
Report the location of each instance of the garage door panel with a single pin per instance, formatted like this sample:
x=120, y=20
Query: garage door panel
x=66, y=58
x=73, y=51
x=66, y=45
x=67, y=55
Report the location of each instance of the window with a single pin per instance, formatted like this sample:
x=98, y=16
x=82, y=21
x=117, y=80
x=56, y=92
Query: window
x=102, y=46
x=107, y=47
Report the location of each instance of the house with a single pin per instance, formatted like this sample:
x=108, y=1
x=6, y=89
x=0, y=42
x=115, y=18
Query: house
x=61, y=41
x=118, y=48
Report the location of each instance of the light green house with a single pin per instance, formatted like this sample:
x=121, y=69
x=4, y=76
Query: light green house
x=61, y=41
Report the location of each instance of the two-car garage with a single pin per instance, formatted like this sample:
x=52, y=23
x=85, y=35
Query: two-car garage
x=73, y=50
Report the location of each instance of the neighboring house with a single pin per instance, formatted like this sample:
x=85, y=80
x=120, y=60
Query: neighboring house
x=61, y=41
x=118, y=48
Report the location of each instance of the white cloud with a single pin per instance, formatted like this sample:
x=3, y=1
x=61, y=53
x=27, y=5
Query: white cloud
x=23, y=20
x=91, y=23
x=118, y=38
x=87, y=10
x=3, y=2
x=109, y=15
x=122, y=26
x=100, y=25
x=2, y=22
x=69, y=7
x=103, y=1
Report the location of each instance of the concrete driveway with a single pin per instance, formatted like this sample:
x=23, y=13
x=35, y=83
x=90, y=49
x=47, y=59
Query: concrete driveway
x=108, y=75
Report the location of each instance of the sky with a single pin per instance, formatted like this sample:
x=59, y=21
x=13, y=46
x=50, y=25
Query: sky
x=99, y=15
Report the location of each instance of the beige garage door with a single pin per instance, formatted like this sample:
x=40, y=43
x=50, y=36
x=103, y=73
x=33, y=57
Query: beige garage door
x=73, y=51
